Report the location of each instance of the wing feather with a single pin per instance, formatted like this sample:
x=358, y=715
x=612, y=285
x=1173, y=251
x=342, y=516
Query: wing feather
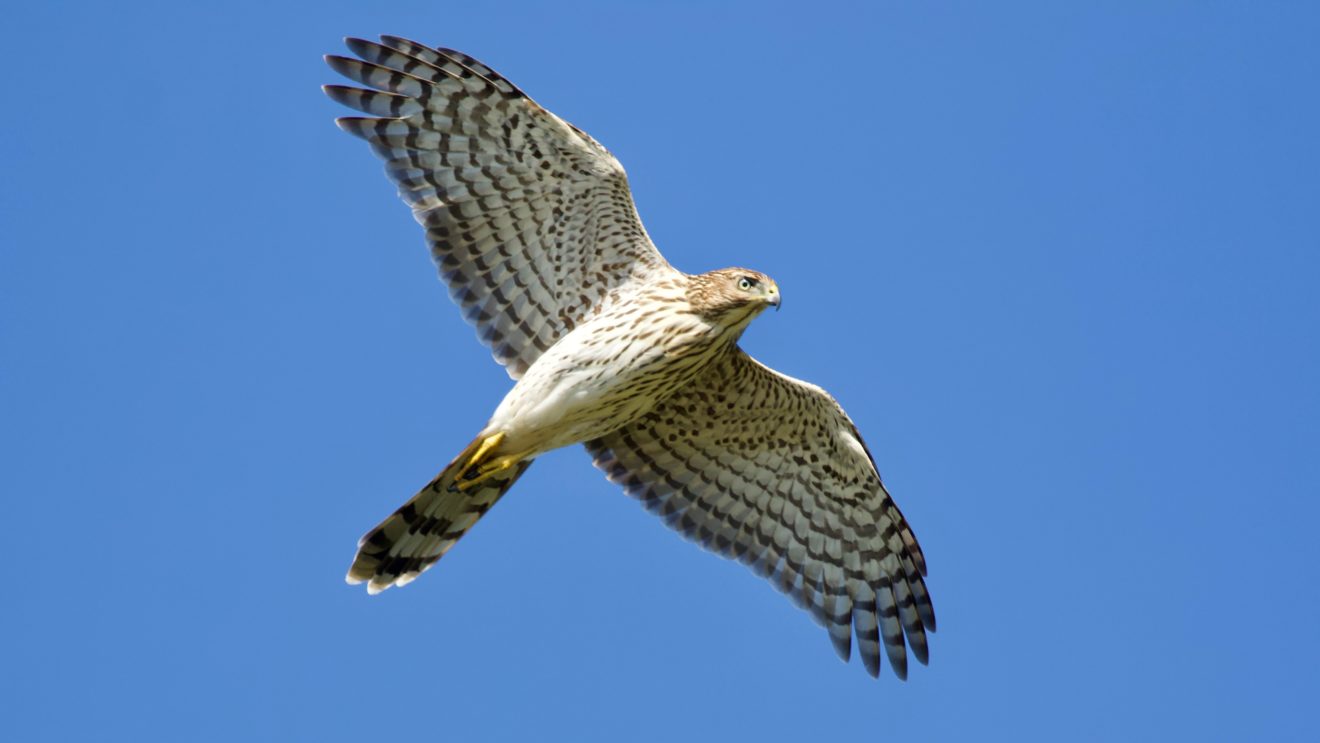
x=530, y=221
x=769, y=470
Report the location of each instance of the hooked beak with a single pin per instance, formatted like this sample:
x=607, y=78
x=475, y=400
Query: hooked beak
x=773, y=296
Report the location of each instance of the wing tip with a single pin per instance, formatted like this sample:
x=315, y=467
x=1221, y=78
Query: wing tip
x=359, y=126
x=361, y=47
x=391, y=37
x=842, y=645
x=871, y=661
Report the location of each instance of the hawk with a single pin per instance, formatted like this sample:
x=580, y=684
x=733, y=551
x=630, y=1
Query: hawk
x=533, y=228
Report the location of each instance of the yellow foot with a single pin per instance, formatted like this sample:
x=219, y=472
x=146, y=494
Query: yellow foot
x=474, y=476
x=486, y=446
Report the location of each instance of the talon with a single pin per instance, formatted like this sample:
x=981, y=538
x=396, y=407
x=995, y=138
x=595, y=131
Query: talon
x=474, y=476
x=483, y=449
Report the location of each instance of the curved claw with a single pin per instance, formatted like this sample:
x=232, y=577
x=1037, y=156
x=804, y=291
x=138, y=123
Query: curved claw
x=474, y=476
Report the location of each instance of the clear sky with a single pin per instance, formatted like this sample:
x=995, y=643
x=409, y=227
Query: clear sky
x=1060, y=264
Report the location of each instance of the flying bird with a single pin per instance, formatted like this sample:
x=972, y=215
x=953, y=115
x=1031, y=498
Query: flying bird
x=533, y=228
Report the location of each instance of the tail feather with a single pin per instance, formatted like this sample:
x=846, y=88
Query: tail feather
x=417, y=535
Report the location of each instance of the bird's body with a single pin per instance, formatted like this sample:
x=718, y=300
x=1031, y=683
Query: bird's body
x=610, y=369
x=532, y=225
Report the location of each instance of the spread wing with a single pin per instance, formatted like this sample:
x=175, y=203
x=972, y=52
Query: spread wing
x=530, y=220
x=767, y=469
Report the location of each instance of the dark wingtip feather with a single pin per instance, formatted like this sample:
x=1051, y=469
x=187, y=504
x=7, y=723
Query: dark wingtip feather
x=338, y=93
x=354, y=43
x=872, y=663
x=341, y=64
x=842, y=646
x=391, y=38
x=357, y=126
x=921, y=651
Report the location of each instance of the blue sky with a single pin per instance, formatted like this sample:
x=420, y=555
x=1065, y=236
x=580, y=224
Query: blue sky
x=1059, y=263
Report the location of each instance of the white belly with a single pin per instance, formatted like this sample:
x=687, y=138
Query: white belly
x=594, y=380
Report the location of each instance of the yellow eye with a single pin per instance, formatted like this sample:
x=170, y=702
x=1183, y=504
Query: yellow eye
x=746, y=284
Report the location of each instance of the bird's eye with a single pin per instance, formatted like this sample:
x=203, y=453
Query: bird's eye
x=746, y=283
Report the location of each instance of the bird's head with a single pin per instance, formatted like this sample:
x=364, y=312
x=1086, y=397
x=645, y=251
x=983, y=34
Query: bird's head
x=733, y=295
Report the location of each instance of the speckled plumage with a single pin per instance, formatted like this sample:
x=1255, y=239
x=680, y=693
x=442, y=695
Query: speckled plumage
x=533, y=228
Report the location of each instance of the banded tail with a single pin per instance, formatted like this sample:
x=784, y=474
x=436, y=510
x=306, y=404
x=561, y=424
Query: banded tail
x=417, y=535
